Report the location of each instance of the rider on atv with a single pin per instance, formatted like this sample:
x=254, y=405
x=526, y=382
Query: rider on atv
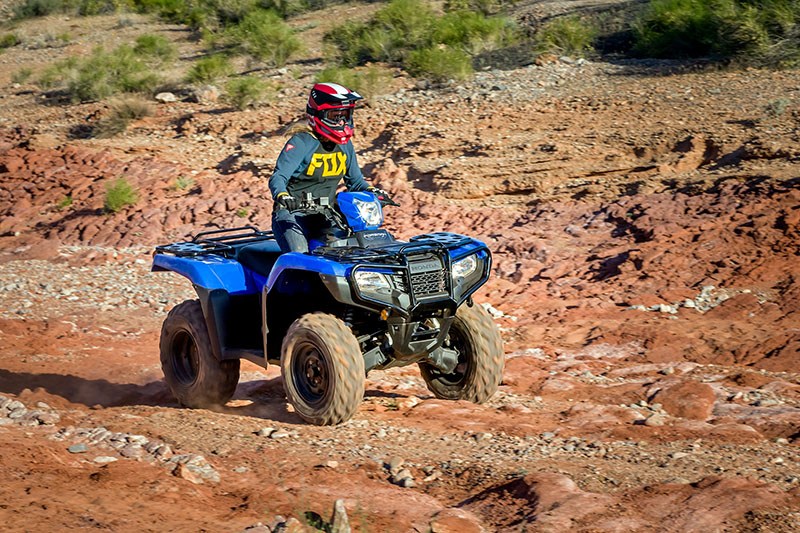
x=315, y=162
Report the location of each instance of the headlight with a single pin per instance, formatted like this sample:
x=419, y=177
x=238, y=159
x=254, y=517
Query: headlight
x=367, y=281
x=370, y=212
x=464, y=267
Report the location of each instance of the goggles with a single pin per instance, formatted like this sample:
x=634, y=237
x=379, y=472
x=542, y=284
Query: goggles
x=335, y=117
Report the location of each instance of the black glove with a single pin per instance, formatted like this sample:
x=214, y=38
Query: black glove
x=287, y=201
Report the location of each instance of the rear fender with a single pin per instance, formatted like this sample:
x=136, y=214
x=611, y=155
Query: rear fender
x=209, y=272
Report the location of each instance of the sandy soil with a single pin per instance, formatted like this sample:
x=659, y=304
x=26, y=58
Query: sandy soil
x=644, y=223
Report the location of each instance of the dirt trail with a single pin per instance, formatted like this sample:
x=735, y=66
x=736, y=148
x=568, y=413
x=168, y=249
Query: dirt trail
x=644, y=220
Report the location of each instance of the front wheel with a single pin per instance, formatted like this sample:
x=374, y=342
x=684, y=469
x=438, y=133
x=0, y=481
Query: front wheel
x=192, y=372
x=474, y=335
x=323, y=369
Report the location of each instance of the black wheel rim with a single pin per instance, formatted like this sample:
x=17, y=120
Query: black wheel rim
x=311, y=371
x=185, y=360
x=455, y=341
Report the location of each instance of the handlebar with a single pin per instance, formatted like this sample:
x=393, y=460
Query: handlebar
x=310, y=204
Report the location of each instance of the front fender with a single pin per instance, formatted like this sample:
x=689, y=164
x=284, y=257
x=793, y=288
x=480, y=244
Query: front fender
x=308, y=263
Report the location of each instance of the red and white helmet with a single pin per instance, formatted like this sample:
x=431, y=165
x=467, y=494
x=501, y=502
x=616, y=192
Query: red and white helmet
x=330, y=111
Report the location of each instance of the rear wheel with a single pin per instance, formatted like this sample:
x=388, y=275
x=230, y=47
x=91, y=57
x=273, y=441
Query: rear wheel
x=323, y=369
x=475, y=337
x=192, y=372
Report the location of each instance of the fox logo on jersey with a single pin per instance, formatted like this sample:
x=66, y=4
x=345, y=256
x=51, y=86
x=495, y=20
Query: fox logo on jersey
x=334, y=164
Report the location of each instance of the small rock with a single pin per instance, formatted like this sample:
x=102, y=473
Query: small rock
x=407, y=483
x=13, y=405
x=292, y=525
x=403, y=478
x=189, y=474
x=395, y=463
x=265, y=432
x=18, y=413
x=257, y=528
x=331, y=464
x=432, y=477
x=78, y=448
x=339, y=521
x=132, y=451
x=48, y=419
x=104, y=459
x=166, y=97
x=163, y=452
x=454, y=520
x=655, y=420
x=278, y=434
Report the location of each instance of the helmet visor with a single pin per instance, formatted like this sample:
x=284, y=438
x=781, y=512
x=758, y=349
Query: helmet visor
x=337, y=117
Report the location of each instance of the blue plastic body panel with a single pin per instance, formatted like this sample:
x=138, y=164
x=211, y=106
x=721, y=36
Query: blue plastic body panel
x=210, y=272
x=346, y=201
x=216, y=272
x=309, y=263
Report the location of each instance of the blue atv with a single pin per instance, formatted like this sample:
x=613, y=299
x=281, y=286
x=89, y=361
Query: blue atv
x=359, y=300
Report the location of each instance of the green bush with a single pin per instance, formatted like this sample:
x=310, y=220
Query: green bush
x=8, y=40
x=287, y=8
x=121, y=113
x=182, y=183
x=485, y=7
x=64, y=202
x=440, y=64
x=209, y=69
x=43, y=8
x=22, y=75
x=38, y=8
x=369, y=82
x=247, y=91
x=119, y=195
x=752, y=30
x=679, y=28
x=56, y=74
x=569, y=36
x=409, y=21
x=104, y=74
x=263, y=35
x=155, y=48
x=100, y=75
x=410, y=34
x=102, y=7
x=395, y=30
x=473, y=32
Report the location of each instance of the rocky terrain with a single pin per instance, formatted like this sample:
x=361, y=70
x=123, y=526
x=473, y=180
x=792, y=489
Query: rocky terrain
x=645, y=223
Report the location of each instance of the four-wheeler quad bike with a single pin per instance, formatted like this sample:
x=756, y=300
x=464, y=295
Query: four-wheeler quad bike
x=359, y=300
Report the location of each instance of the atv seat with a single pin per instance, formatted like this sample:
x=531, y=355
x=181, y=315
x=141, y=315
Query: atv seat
x=259, y=256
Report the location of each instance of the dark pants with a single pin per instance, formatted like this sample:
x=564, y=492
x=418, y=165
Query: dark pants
x=292, y=230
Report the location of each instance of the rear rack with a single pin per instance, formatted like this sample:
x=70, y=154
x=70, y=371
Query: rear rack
x=216, y=242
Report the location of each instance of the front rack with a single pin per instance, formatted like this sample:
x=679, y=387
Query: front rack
x=391, y=253
x=216, y=242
